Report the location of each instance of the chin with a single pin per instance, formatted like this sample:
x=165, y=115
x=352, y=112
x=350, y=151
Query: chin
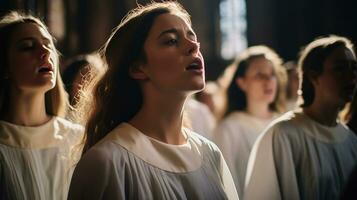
x=200, y=86
x=269, y=99
x=48, y=86
x=194, y=89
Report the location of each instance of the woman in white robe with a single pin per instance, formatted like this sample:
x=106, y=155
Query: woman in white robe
x=255, y=98
x=309, y=154
x=38, y=148
x=136, y=146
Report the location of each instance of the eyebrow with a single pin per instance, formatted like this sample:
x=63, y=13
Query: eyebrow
x=33, y=38
x=175, y=31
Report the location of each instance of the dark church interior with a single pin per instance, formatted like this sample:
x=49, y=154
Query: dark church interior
x=178, y=99
x=82, y=26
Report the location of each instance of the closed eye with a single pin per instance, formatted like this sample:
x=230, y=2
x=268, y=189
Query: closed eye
x=30, y=43
x=26, y=45
x=171, y=42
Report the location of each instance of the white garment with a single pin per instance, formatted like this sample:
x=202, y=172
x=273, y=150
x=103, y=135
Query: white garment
x=127, y=164
x=201, y=118
x=235, y=136
x=298, y=158
x=37, y=162
x=291, y=104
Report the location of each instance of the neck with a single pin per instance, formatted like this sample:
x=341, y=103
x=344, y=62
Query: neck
x=293, y=97
x=26, y=109
x=161, y=118
x=323, y=113
x=259, y=109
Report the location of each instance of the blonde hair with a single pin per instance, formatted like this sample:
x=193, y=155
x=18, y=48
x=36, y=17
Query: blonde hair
x=236, y=96
x=55, y=99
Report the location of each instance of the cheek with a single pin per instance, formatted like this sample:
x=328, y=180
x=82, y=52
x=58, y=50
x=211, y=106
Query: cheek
x=55, y=72
x=54, y=58
x=254, y=88
x=20, y=63
x=158, y=62
x=274, y=84
x=20, y=70
x=255, y=85
x=330, y=82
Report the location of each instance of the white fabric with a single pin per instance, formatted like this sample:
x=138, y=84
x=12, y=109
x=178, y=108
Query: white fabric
x=298, y=158
x=291, y=104
x=127, y=164
x=201, y=118
x=235, y=136
x=37, y=162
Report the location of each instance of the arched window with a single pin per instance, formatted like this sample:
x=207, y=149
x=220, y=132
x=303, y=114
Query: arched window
x=233, y=25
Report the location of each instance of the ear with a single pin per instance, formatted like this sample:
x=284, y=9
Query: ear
x=241, y=83
x=137, y=72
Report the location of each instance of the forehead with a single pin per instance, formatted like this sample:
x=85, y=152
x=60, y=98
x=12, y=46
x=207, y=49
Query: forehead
x=29, y=30
x=168, y=21
x=260, y=64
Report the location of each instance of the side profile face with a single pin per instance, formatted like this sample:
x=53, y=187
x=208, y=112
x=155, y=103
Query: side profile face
x=293, y=83
x=260, y=82
x=31, y=59
x=174, y=62
x=337, y=83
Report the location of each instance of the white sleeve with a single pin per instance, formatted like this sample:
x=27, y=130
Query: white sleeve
x=228, y=182
x=95, y=179
x=222, y=138
x=224, y=141
x=271, y=170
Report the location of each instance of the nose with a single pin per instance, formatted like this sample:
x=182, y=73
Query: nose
x=44, y=52
x=192, y=47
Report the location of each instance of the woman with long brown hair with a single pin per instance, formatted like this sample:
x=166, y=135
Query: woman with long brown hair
x=136, y=145
x=37, y=145
x=255, y=98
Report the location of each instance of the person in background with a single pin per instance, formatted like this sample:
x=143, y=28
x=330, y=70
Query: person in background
x=213, y=97
x=38, y=147
x=136, y=145
x=200, y=118
x=79, y=70
x=255, y=98
x=308, y=153
x=292, y=87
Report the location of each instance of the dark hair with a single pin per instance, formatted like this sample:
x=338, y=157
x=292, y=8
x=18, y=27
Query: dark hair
x=117, y=96
x=237, y=100
x=291, y=69
x=89, y=67
x=56, y=98
x=72, y=70
x=312, y=59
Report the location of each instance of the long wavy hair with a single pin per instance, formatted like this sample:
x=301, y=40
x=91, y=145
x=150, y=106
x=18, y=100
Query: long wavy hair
x=236, y=97
x=56, y=98
x=116, y=96
x=312, y=59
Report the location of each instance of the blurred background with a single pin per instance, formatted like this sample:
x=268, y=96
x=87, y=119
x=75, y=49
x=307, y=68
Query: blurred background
x=224, y=27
